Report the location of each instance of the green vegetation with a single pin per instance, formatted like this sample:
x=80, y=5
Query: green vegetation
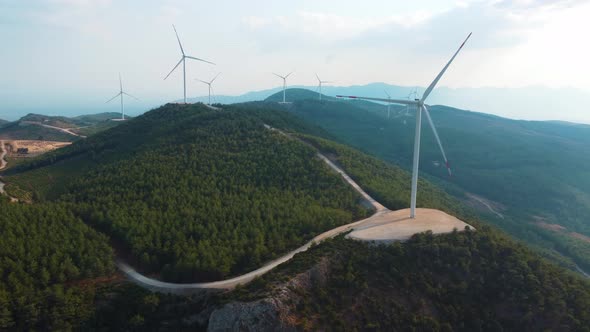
x=468, y=281
x=535, y=170
x=44, y=251
x=197, y=194
x=387, y=183
x=96, y=128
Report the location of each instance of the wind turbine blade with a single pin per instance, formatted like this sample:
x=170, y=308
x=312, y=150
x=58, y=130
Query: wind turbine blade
x=125, y=93
x=178, y=64
x=437, y=139
x=117, y=95
x=214, y=78
x=120, y=83
x=196, y=79
x=279, y=75
x=391, y=101
x=288, y=74
x=179, y=44
x=433, y=84
x=387, y=94
x=316, y=75
x=192, y=57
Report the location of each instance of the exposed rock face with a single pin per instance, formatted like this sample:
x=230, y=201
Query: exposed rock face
x=272, y=313
x=262, y=315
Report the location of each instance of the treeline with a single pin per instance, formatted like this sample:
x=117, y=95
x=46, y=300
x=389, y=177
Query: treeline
x=44, y=250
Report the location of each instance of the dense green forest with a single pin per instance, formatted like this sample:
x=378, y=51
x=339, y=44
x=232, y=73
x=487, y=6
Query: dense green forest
x=198, y=194
x=468, y=281
x=521, y=165
x=44, y=250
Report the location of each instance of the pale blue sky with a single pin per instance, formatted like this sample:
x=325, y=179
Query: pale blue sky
x=66, y=54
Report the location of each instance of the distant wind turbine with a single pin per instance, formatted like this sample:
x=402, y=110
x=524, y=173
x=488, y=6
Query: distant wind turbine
x=284, y=84
x=320, y=82
x=209, y=85
x=420, y=107
x=388, y=104
x=183, y=60
x=121, y=93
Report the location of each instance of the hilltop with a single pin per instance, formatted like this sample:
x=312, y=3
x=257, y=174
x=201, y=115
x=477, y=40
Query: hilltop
x=512, y=171
x=197, y=194
x=57, y=128
x=190, y=193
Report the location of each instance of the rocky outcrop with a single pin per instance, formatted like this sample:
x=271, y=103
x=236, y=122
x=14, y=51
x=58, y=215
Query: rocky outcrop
x=262, y=315
x=274, y=312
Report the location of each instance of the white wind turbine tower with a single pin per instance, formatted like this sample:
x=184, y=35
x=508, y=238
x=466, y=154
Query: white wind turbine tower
x=284, y=84
x=388, y=104
x=183, y=60
x=120, y=94
x=209, y=85
x=320, y=82
x=420, y=107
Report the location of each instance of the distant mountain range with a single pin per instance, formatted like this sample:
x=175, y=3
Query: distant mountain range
x=529, y=103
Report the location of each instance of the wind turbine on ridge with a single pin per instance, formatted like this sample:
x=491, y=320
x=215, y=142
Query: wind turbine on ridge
x=209, y=85
x=284, y=84
x=320, y=82
x=183, y=60
x=121, y=93
x=420, y=107
x=388, y=104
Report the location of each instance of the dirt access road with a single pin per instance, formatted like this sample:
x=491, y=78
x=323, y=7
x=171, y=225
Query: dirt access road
x=437, y=221
x=65, y=130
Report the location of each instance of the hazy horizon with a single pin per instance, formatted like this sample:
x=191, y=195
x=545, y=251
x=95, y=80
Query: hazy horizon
x=65, y=55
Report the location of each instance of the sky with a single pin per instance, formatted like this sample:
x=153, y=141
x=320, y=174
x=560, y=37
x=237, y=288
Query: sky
x=66, y=55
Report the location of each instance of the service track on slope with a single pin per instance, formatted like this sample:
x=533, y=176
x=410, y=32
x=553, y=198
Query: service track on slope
x=383, y=226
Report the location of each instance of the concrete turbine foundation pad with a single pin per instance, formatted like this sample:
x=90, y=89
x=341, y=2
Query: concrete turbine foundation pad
x=398, y=226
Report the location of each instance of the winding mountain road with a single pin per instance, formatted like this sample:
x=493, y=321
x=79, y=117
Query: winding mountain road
x=64, y=130
x=2, y=154
x=176, y=288
x=2, y=164
x=383, y=218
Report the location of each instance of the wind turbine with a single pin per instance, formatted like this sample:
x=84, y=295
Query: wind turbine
x=420, y=107
x=284, y=84
x=183, y=60
x=320, y=82
x=209, y=84
x=388, y=104
x=121, y=93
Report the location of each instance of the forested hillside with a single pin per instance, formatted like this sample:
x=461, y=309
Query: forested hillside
x=468, y=281
x=532, y=172
x=197, y=194
x=44, y=250
x=194, y=194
